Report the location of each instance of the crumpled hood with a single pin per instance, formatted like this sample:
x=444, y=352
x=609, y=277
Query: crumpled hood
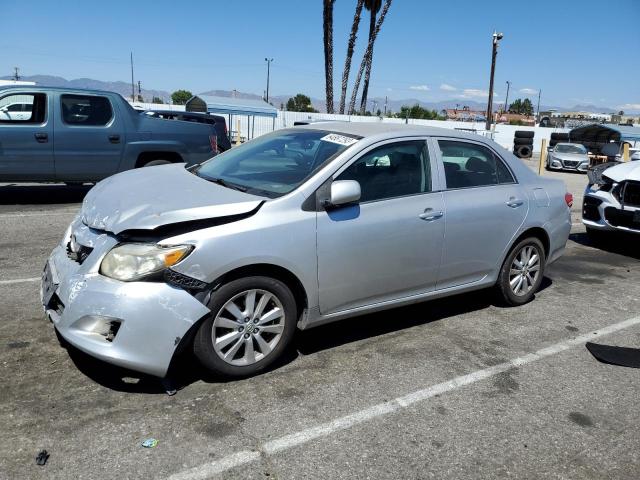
x=624, y=171
x=146, y=198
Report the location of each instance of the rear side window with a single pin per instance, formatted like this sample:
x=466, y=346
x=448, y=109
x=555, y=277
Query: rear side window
x=23, y=108
x=472, y=165
x=86, y=110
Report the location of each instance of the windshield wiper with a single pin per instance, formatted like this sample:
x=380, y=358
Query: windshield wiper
x=226, y=184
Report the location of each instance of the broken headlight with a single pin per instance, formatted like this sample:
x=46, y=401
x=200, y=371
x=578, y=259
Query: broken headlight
x=134, y=261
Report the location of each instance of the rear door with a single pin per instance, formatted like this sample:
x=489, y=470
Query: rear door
x=484, y=209
x=26, y=137
x=89, y=137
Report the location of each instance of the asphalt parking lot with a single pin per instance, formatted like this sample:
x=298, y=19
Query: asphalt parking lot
x=455, y=388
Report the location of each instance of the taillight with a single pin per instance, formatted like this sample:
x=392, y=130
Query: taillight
x=213, y=140
x=568, y=198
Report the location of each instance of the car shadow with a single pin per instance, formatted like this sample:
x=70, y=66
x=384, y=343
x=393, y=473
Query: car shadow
x=621, y=243
x=16, y=194
x=185, y=369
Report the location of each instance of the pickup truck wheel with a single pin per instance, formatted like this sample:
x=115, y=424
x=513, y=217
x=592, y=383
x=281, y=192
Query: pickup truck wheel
x=252, y=322
x=153, y=163
x=522, y=272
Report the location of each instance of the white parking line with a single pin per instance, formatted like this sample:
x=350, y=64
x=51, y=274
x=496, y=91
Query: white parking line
x=37, y=214
x=20, y=280
x=287, y=442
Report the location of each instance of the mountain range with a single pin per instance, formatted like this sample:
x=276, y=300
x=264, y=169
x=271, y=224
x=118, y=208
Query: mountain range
x=124, y=89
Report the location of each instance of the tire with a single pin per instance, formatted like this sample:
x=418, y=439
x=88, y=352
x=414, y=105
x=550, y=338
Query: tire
x=153, y=163
x=524, y=151
x=523, y=141
x=511, y=295
x=524, y=134
x=222, y=323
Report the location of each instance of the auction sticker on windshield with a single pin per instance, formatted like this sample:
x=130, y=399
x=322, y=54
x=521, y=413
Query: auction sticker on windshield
x=340, y=139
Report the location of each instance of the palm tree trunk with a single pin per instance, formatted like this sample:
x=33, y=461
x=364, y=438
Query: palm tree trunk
x=327, y=17
x=367, y=53
x=367, y=72
x=350, y=47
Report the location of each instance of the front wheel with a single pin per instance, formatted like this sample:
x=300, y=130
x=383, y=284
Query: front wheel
x=252, y=322
x=154, y=163
x=522, y=272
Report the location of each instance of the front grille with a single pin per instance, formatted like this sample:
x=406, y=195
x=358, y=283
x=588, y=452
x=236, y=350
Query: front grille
x=570, y=163
x=631, y=194
x=621, y=218
x=590, y=208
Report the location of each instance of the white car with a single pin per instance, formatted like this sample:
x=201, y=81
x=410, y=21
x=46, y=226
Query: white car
x=568, y=156
x=16, y=111
x=612, y=198
x=634, y=154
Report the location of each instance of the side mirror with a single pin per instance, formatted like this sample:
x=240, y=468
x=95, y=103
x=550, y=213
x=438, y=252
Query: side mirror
x=343, y=192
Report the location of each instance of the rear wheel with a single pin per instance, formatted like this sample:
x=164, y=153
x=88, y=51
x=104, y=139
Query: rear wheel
x=252, y=322
x=522, y=272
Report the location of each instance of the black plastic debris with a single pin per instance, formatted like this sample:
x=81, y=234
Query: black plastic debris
x=621, y=356
x=42, y=457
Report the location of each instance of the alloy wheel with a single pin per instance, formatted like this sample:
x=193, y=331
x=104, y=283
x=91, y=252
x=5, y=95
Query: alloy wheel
x=248, y=327
x=525, y=270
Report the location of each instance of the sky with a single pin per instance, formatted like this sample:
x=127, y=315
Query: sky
x=574, y=51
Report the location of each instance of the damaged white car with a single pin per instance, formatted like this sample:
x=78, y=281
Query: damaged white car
x=612, y=198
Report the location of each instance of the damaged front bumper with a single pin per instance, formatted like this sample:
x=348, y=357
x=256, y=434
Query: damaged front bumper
x=135, y=325
x=602, y=211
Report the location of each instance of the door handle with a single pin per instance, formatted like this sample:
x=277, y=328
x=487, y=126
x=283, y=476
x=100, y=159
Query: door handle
x=429, y=215
x=41, y=137
x=514, y=202
x=114, y=138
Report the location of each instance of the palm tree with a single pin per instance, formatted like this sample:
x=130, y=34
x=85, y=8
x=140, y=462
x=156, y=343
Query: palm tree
x=374, y=7
x=350, y=47
x=327, y=17
x=367, y=58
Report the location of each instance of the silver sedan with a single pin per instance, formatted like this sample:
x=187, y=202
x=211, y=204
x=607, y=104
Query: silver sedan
x=293, y=230
x=568, y=156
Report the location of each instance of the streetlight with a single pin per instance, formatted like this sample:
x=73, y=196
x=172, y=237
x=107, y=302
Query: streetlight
x=496, y=37
x=268, y=60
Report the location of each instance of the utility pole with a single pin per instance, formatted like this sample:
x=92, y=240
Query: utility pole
x=133, y=88
x=506, y=99
x=538, y=108
x=16, y=76
x=139, y=90
x=496, y=37
x=268, y=60
x=386, y=99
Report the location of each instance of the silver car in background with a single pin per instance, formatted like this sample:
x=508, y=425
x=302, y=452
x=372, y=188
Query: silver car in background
x=568, y=156
x=295, y=229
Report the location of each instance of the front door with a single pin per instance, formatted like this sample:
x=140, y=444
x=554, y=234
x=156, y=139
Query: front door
x=89, y=138
x=484, y=209
x=388, y=245
x=26, y=137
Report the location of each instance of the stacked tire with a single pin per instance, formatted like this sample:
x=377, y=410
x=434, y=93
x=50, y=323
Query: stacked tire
x=558, y=138
x=523, y=143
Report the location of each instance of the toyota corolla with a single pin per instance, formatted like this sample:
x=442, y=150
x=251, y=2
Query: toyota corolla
x=292, y=230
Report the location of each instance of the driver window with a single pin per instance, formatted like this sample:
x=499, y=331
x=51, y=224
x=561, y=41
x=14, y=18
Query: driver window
x=393, y=170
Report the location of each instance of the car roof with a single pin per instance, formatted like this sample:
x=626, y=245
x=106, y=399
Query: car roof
x=570, y=143
x=369, y=129
x=46, y=88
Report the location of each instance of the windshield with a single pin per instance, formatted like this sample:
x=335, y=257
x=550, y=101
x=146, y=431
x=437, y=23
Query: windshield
x=568, y=148
x=275, y=164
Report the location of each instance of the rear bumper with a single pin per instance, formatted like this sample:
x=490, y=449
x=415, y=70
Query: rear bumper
x=135, y=325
